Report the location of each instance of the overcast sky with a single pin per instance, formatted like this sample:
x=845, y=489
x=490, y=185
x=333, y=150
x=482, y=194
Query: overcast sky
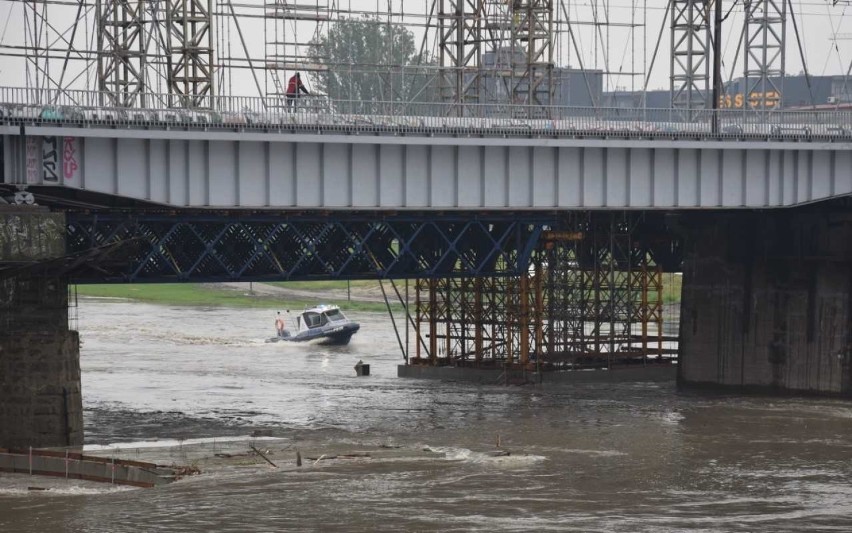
x=616, y=48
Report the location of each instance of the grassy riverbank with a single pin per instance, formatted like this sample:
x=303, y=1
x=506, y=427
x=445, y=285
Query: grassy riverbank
x=213, y=295
x=365, y=295
x=672, y=286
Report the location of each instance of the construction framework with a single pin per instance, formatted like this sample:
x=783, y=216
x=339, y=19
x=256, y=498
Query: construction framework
x=529, y=53
x=690, y=56
x=591, y=298
x=190, y=53
x=519, y=37
x=461, y=31
x=476, y=51
x=122, y=54
x=765, y=56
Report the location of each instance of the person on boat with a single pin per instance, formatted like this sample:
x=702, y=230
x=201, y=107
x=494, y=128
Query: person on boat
x=279, y=324
x=294, y=87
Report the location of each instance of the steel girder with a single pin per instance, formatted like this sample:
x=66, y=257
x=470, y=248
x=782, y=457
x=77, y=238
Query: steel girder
x=209, y=248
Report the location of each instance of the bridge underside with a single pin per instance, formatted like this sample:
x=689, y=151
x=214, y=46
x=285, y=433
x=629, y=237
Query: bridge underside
x=211, y=247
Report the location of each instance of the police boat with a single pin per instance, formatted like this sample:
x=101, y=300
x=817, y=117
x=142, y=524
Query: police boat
x=323, y=324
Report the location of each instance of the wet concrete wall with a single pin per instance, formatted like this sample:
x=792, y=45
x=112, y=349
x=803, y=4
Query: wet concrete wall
x=40, y=399
x=767, y=301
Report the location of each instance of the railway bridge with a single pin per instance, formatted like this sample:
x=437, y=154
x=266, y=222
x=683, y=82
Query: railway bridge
x=533, y=241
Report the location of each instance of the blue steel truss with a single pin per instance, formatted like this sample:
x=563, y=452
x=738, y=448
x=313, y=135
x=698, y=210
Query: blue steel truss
x=228, y=247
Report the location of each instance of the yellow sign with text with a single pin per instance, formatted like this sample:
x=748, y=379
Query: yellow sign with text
x=769, y=99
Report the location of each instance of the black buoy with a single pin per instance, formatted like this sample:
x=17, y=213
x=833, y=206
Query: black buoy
x=362, y=369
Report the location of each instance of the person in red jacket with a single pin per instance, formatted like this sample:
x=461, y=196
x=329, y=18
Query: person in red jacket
x=294, y=87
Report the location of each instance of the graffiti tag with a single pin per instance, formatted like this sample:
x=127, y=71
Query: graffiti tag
x=69, y=158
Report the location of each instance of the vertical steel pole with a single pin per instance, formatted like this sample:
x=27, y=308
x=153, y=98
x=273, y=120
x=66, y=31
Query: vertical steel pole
x=523, y=319
x=407, y=320
x=717, y=64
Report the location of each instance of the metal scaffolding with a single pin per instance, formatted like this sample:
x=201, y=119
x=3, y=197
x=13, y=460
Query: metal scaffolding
x=35, y=41
x=190, y=53
x=690, y=56
x=531, y=53
x=284, y=49
x=592, y=298
x=461, y=25
x=517, y=36
x=122, y=58
x=471, y=51
x=764, y=54
x=603, y=298
x=532, y=29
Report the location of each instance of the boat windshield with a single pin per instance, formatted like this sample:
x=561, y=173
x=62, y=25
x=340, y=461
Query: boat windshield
x=335, y=315
x=313, y=320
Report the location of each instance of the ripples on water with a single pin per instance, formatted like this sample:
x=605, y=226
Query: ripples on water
x=586, y=457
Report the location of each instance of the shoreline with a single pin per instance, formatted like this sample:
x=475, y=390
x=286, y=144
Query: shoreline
x=362, y=297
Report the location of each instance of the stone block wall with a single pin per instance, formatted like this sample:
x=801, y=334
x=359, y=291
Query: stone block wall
x=40, y=397
x=40, y=400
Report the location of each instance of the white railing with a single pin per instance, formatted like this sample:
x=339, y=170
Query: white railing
x=317, y=113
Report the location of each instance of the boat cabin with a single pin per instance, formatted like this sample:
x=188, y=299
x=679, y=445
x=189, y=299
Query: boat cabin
x=319, y=316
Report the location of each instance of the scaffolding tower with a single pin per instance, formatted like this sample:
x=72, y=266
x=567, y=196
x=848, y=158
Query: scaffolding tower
x=122, y=54
x=690, y=56
x=593, y=298
x=289, y=28
x=764, y=54
x=190, y=53
x=36, y=48
x=532, y=30
x=467, y=52
x=460, y=29
x=518, y=38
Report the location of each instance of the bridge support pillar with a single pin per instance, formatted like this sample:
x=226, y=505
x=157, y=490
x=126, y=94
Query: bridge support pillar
x=40, y=397
x=767, y=302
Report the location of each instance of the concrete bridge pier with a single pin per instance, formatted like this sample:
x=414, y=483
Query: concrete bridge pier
x=767, y=301
x=40, y=396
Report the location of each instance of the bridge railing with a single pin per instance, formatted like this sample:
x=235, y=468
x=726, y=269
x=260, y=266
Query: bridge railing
x=319, y=113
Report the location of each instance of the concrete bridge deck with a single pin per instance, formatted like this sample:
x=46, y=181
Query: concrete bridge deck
x=243, y=156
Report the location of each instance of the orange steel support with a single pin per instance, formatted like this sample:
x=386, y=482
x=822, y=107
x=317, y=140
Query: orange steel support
x=448, y=308
x=418, y=312
x=478, y=323
x=538, y=318
x=433, y=325
x=523, y=319
x=509, y=324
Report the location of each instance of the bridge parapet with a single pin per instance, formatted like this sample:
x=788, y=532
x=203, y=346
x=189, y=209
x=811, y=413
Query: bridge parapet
x=321, y=115
x=346, y=156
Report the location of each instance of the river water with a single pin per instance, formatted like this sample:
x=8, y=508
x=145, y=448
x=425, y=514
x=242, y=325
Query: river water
x=584, y=457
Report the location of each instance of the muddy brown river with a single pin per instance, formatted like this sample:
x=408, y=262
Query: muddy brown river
x=583, y=457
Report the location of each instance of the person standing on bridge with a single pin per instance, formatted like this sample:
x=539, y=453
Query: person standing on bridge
x=294, y=88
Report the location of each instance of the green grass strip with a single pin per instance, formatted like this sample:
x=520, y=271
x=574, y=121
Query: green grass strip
x=209, y=295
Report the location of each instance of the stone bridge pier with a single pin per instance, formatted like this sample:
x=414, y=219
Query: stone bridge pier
x=40, y=397
x=767, y=300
